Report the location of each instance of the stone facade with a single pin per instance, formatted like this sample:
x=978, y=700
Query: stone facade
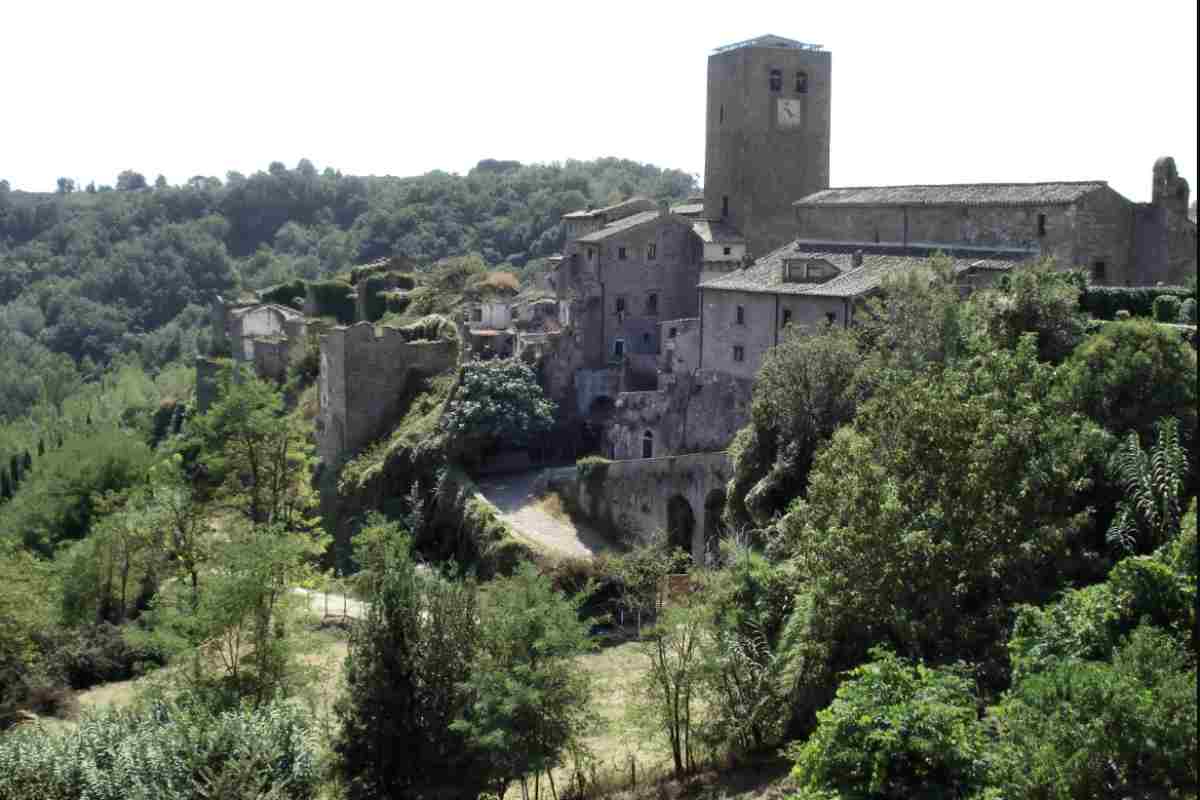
x=363, y=379
x=767, y=135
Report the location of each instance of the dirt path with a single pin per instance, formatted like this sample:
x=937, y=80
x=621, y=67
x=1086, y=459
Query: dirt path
x=521, y=506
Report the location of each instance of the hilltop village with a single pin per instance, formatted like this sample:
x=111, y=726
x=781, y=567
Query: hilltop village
x=655, y=318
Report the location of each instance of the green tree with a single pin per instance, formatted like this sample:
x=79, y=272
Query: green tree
x=130, y=181
x=406, y=674
x=528, y=697
x=65, y=186
x=1036, y=299
x=497, y=402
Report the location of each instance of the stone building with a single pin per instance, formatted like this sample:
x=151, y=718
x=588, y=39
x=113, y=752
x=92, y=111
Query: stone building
x=1082, y=225
x=267, y=335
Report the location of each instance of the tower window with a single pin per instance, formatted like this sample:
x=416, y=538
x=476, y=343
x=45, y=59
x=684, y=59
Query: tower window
x=801, y=83
x=621, y=253
x=652, y=303
x=647, y=445
x=1041, y=224
x=651, y=251
x=739, y=353
x=724, y=205
x=776, y=80
x=741, y=315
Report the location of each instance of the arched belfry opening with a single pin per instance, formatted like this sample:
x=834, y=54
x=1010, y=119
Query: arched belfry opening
x=681, y=523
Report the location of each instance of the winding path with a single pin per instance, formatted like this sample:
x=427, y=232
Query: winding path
x=518, y=498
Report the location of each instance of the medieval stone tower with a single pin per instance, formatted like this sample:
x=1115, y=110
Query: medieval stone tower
x=767, y=135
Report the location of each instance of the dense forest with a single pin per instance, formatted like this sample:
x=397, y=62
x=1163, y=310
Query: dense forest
x=90, y=274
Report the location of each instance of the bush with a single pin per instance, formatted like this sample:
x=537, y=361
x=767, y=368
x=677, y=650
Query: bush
x=286, y=294
x=497, y=402
x=167, y=752
x=1166, y=308
x=332, y=298
x=100, y=653
x=1103, y=302
x=1187, y=312
x=897, y=730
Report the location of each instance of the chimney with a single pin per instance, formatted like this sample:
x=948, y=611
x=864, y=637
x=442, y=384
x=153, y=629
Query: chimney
x=856, y=259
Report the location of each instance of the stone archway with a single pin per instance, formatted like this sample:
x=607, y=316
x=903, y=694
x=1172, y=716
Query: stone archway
x=681, y=523
x=714, y=529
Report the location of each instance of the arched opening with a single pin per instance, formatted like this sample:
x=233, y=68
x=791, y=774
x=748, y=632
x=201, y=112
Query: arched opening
x=681, y=522
x=714, y=506
x=648, y=445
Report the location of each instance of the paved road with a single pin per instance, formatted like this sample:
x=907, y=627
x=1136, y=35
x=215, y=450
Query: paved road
x=517, y=496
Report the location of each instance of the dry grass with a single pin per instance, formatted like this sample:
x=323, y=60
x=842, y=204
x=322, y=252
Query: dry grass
x=552, y=504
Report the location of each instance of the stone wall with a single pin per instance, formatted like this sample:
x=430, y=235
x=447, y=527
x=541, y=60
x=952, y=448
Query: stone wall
x=681, y=346
x=363, y=380
x=636, y=498
x=691, y=412
x=270, y=356
x=1164, y=246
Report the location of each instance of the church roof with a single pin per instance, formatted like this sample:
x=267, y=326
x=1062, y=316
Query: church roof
x=955, y=194
x=765, y=276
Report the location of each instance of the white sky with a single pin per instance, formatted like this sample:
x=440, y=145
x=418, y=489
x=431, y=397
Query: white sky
x=923, y=92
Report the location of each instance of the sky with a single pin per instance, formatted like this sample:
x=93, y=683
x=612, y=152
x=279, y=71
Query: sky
x=923, y=92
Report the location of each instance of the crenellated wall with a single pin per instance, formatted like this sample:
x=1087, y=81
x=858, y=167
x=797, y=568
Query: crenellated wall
x=362, y=383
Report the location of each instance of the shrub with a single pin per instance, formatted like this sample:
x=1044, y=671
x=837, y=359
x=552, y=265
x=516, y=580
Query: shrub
x=332, y=298
x=897, y=730
x=100, y=653
x=1166, y=308
x=497, y=401
x=1103, y=302
x=1187, y=312
x=592, y=470
x=166, y=752
x=290, y=294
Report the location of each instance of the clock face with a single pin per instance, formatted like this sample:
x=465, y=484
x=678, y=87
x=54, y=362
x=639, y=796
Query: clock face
x=789, y=112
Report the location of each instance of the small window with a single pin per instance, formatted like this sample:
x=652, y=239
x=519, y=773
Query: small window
x=590, y=252
x=647, y=445
x=619, y=348
x=741, y=315
x=652, y=303
x=1041, y=224
x=776, y=80
x=724, y=205
x=651, y=251
x=739, y=353
x=621, y=253
x=1099, y=271
x=830, y=317
x=727, y=250
x=620, y=305
x=722, y=117
x=801, y=83
x=787, y=318
x=646, y=340
x=672, y=333
x=477, y=314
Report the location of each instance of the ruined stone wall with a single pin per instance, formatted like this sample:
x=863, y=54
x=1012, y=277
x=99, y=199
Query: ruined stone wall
x=635, y=497
x=681, y=346
x=270, y=357
x=363, y=380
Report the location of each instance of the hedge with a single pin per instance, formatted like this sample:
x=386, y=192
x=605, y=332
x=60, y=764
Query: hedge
x=332, y=298
x=286, y=294
x=1103, y=302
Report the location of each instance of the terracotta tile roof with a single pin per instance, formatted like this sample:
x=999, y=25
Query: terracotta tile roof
x=621, y=225
x=715, y=231
x=969, y=194
x=630, y=205
x=766, y=274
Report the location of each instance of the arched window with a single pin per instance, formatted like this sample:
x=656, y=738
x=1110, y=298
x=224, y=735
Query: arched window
x=801, y=83
x=647, y=445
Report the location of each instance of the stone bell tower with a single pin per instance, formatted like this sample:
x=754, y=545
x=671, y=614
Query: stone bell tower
x=767, y=142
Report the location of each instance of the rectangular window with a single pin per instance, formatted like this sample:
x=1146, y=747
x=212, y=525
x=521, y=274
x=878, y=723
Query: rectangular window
x=801, y=83
x=590, y=251
x=739, y=353
x=787, y=317
x=652, y=303
x=1099, y=271
x=1041, y=224
x=776, y=80
x=620, y=304
x=728, y=250
x=741, y=315
x=621, y=253
x=672, y=333
x=478, y=314
x=651, y=251
x=619, y=347
x=724, y=205
x=830, y=317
